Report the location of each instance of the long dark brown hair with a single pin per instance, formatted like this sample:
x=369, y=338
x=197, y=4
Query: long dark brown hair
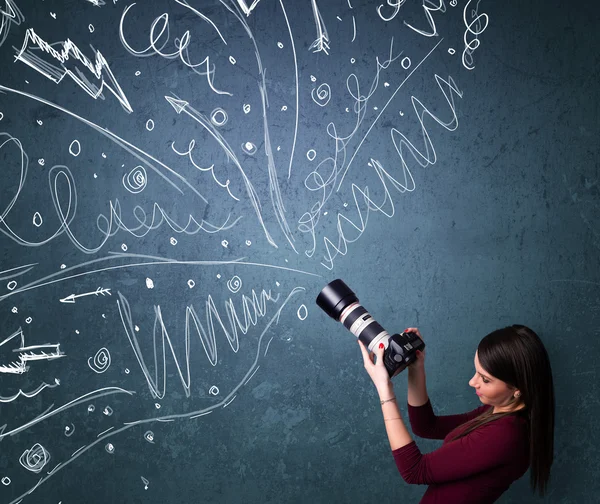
x=517, y=356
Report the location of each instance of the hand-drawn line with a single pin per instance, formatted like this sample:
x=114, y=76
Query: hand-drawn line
x=132, y=149
x=33, y=393
x=50, y=412
x=353, y=29
x=322, y=94
x=253, y=308
x=99, y=291
x=181, y=45
x=19, y=270
x=9, y=16
x=100, y=362
x=28, y=354
x=97, y=3
x=136, y=180
x=183, y=106
x=274, y=189
x=154, y=261
x=35, y=458
x=383, y=110
x=322, y=41
x=428, y=7
x=100, y=68
x=471, y=46
x=190, y=415
x=287, y=22
x=449, y=89
x=211, y=168
x=203, y=17
x=244, y=6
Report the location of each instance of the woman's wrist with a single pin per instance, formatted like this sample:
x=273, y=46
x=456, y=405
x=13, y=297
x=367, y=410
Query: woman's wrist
x=385, y=390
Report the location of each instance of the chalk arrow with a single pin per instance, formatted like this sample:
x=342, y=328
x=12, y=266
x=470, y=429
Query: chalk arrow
x=99, y=291
x=178, y=105
x=244, y=6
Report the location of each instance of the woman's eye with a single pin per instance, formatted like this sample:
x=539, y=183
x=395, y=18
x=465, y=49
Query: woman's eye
x=486, y=381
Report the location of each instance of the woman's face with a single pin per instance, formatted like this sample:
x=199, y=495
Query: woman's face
x=491, y=390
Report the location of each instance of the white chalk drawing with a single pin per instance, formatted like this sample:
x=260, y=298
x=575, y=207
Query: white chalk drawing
x=70, y=53
x=9, y=15
x=100, y=362
x=33, y=393
x=149, y=436
x=136, y=180
x=69, y=430
x=475, y=25
x=37, y=219
x=247, y=9
x=28, y=354
x=100, y=291
x=302, y=312
x=75, y=148
x=145, y=482
x=322, y=94
x=6, y=481
x=234, y=284
x=219, y=117
x=321, y=43
x=35, y=458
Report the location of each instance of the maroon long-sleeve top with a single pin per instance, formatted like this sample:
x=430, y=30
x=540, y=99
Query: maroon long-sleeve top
x=475, y=469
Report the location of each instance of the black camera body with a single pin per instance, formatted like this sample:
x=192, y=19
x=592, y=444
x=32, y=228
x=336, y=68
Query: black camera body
x=340, y=303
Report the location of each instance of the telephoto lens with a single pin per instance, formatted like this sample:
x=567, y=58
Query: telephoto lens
x=340, y=303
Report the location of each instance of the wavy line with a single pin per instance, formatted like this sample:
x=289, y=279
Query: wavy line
x=33, y=393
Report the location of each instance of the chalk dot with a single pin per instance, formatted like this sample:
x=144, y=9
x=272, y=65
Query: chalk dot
x=1, y=116
x=40, y=122
x=28, y=320
x=284, y=108
x=149, y=436
x=325, y=213
x=386, y=84
x=232, y=60
x=137, y=328
x=402, y=113
x=224, y=243
x=278, y=148
x=108, y=411
x=405, y=63
x=247, y=108
x=352, y=60
x=14, y=309
x=311, y=154
x=110, y=448
x=277, y=283
x=95, y=176
x=124, y=247
x=103, y=316
x=75, y=148
x=157, y=406
x=138, y=73
x=91, y=28
x=191, y=283
x=249, y=148
x=451, y=51
x=37, y=219
x=345, y=204
x=76, y=331
x=11, y=285
x=313, y=78
x=149, y=124
x=6, y=479
x=375, y=108
x=248, y=243
x=302, y=312
x=126, y=370
x=173, y=241
x=104, y=155
x=218, y=275
x=41, y=161
x=218, y=117
x=91, y=408
x=347, y=109
x=149, y=283
x=280, y=45
x=214, y=390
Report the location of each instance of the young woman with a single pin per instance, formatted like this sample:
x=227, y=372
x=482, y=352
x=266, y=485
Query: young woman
x=487, y=449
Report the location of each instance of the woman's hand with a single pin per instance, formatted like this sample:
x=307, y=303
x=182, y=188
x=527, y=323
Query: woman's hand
x=419, y=363
x=376, y=369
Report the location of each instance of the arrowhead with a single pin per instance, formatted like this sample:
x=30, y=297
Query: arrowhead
x=68, y=299
x=178, y=105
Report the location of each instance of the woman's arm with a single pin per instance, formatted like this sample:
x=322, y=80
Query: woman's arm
x=396, y=430
x=417, y=386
